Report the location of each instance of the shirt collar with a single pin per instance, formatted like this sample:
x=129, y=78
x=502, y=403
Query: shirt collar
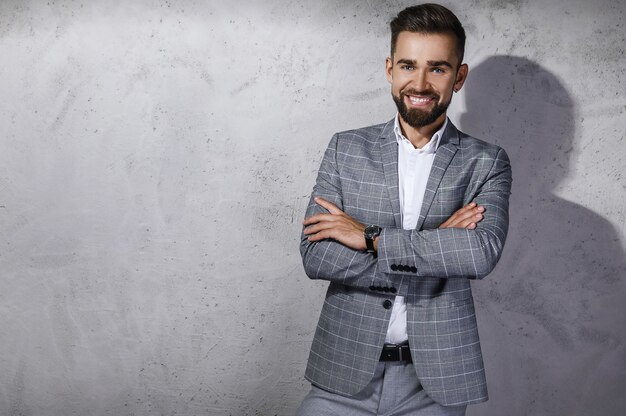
x=431, y=146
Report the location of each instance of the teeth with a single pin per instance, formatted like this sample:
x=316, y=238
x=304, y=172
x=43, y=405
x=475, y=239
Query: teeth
x=418, y=100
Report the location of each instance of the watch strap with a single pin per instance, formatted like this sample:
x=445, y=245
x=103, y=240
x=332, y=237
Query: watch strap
x=371, y=231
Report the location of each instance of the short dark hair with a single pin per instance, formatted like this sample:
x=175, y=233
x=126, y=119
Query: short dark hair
x=428, y=18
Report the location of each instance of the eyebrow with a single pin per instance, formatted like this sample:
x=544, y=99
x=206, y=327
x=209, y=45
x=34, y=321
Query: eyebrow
x=439, y=63
x=429, y=63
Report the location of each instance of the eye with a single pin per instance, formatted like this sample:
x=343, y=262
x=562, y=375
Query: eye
x=407, y=67
x=439, y=70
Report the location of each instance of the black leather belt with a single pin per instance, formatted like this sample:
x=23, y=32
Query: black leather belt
x=396, y=352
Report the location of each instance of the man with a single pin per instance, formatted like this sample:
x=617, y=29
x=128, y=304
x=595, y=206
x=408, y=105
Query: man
x=403, y=215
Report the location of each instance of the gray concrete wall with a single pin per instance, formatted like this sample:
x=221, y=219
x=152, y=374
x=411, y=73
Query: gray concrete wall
x=156, y=158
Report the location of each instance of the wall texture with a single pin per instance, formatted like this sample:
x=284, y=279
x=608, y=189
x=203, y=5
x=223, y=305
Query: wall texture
x=156, y=158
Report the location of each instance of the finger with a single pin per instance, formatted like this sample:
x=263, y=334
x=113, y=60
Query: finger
x=461, y=213
x=467, y=207
x=320, y=226
x=332, y=208
x=468, y=212
x=463, y=220
x=468, y=220
x=317, y=237
x=470, y=215
x=319, y=218
x=322, y=235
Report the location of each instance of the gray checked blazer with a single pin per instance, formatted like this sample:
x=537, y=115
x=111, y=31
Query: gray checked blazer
x=431, y=267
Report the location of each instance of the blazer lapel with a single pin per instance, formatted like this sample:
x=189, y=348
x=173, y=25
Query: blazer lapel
x=389, y=156
x=445, y=152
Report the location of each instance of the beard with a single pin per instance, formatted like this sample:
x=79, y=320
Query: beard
x=417, y=118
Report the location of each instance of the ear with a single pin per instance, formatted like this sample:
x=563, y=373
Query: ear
x=461, y=76
x=389, y=69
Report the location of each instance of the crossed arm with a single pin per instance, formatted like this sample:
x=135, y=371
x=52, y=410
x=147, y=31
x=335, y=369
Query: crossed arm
x=468, y=244
x=339, y=226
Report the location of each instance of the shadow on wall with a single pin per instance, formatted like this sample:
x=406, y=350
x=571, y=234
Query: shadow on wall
x=554, y=307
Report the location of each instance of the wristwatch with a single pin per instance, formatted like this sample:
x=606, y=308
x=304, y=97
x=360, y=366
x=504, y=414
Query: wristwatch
x=370, y=232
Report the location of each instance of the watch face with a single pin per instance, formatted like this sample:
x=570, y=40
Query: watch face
x=372, y=230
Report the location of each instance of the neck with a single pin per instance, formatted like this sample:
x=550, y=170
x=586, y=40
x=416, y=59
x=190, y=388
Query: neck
x=420, y=136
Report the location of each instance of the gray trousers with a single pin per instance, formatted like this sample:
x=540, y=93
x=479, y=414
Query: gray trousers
x=394, y=391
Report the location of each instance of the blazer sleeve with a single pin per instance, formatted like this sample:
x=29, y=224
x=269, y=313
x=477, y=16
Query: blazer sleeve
x=455, y=252
x=329, y=259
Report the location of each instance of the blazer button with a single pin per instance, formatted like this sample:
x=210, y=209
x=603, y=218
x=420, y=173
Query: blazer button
x=387, y=304
x=372, y=287
x=413, y=269
x=394, y=267
x=392, y=290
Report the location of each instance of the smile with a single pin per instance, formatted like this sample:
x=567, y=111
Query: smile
x=419, y=100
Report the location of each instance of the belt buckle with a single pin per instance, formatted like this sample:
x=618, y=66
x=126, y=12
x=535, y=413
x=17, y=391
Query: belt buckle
x=392, y=352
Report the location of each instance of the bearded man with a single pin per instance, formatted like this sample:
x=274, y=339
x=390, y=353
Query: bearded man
x=402, y=217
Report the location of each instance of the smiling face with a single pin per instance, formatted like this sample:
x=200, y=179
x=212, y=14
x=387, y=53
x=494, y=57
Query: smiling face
x=423, y=72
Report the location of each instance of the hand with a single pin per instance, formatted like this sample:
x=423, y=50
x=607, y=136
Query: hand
x=336, y=225
x=466, y=217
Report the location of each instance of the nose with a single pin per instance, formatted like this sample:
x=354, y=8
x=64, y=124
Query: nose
x=419, y=80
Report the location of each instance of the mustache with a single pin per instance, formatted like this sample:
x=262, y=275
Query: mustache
x=425, y=93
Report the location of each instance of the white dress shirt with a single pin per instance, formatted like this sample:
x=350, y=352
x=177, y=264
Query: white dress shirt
x=413, y=171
